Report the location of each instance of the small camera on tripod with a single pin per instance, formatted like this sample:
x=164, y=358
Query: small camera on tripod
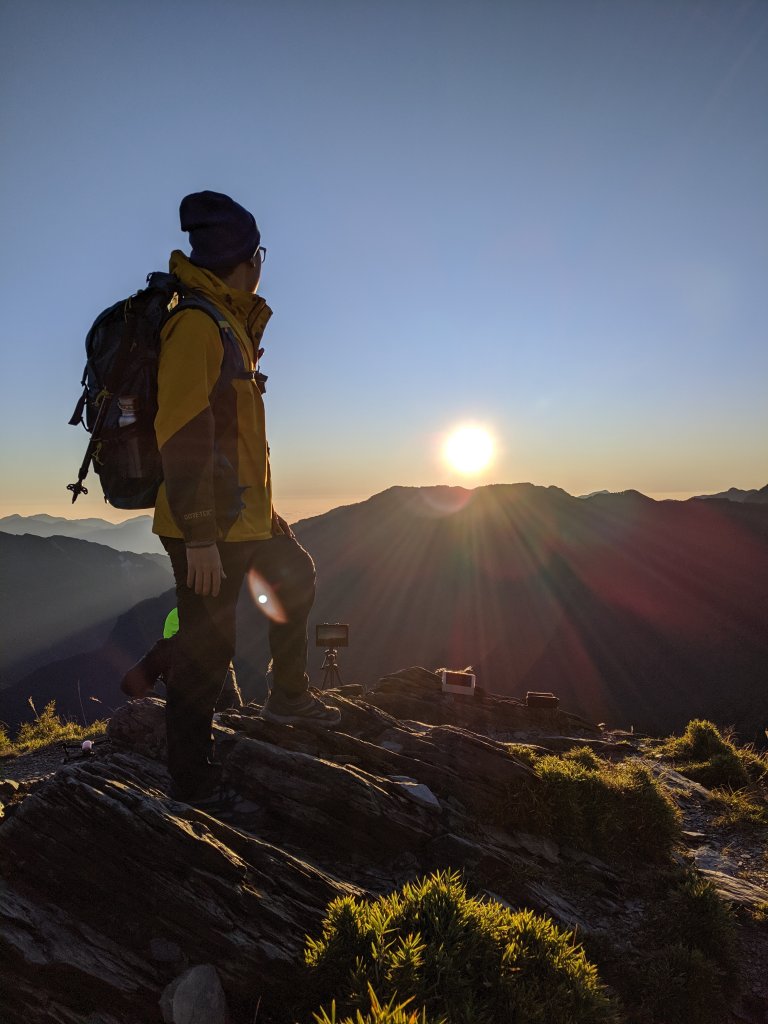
x=331, y=635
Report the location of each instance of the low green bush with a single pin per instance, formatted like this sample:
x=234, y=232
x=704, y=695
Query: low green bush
x=681, y=987
x=696, y=916
x=581, y=800
x=458, y=957
x=706, y=756
x=689, y=973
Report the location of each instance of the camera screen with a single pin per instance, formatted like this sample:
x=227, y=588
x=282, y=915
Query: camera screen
x=335, y=634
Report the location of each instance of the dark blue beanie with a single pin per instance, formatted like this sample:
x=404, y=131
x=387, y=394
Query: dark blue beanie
x=221, y=232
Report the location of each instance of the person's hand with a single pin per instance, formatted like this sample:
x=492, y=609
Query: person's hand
x=204, y=570
x=279, y=526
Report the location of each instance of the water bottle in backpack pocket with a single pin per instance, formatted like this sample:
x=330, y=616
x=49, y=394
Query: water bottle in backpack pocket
x=135, y=463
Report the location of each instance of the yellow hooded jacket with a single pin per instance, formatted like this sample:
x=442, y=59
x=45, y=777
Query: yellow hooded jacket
x=217, y=483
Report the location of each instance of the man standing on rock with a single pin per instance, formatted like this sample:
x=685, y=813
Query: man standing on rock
x=214, y=511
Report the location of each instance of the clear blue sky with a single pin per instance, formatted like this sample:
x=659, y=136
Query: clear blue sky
x=547, y=216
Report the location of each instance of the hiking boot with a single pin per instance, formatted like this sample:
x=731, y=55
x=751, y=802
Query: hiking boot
x=302, y=710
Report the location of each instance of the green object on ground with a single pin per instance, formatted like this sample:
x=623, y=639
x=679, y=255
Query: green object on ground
x=171, y=627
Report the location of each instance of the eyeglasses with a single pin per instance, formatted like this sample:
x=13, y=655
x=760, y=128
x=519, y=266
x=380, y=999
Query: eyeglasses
x=260, y=255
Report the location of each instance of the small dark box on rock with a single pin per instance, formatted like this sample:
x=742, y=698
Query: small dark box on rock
x=541, y=700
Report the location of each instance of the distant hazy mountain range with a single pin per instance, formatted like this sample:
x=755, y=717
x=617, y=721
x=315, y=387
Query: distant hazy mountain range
x=130, y=535
x=60, y=596
x=635, y=612
x=759, y=497
x=86, y=685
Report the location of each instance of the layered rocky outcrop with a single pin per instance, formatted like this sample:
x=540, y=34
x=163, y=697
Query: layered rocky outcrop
x=112, y=893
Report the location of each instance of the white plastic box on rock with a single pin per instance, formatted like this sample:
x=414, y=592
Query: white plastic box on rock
x=458, y=682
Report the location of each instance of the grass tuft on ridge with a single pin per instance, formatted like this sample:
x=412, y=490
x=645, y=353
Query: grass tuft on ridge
x=582, y=800
x=705, y=755
x=7, y=749
x=46, y=728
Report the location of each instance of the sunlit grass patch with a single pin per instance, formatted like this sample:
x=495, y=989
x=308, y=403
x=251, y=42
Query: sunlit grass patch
x=47, y=727
x=738, y=809
x=6, y=746
x=586, y=757
x=522, y=752
x=456, y=957
x=582, y=800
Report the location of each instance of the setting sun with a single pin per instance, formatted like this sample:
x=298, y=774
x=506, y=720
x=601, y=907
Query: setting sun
x=469, y=450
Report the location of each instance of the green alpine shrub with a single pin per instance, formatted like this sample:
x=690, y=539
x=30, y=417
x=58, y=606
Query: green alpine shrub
x=690, y=975
x=458, y=957
x=392, y=1013
x=681, y=987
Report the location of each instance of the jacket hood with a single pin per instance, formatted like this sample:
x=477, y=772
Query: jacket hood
x=249, y=309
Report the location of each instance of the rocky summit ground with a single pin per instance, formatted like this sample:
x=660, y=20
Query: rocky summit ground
x=110, y=891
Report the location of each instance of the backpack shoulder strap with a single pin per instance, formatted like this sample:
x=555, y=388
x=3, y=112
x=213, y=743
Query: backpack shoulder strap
x=193, y=300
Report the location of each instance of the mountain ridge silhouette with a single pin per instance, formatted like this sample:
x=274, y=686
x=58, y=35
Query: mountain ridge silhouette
x=636, y=612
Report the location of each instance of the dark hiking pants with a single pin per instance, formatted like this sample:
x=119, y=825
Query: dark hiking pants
x=156, y=665
x=205, y=643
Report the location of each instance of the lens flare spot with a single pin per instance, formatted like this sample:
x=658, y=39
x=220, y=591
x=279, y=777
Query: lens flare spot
x=265, y=597
x=469, y=449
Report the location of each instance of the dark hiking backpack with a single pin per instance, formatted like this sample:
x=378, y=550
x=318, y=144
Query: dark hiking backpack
x=119, y=400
